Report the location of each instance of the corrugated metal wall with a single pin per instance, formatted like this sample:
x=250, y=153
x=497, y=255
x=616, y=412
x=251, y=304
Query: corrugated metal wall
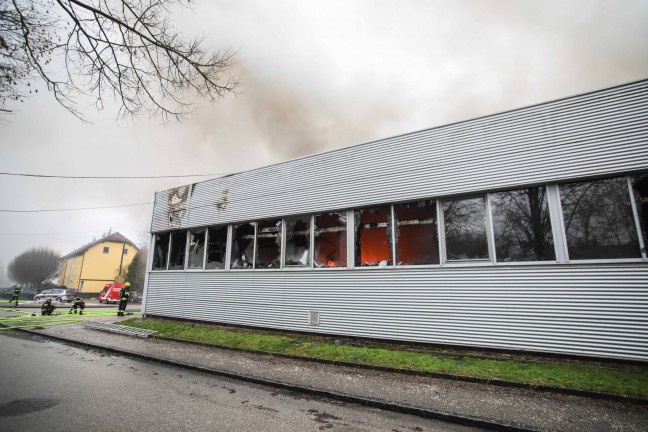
x=589, y=135
x=583, y=309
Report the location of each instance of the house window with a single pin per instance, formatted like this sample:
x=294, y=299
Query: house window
x=416, y=233
x=330, y=239
x=522, y=226
x=298, y=232
x=160, y=251
x=464, y=222
x=196, y=249
x=216, y=247
x=243, y=245
x=125, y=251
x=178, y=250
x=599, y=221
x=106, y=249
x=268, y=248
x=373, y=237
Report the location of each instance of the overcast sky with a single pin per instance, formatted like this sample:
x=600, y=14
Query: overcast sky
x=316, y=75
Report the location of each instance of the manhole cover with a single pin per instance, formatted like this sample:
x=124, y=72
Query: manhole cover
x=25, y=406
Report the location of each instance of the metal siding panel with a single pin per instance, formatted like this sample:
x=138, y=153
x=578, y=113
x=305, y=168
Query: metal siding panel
x=593, y=310
x=595, y=134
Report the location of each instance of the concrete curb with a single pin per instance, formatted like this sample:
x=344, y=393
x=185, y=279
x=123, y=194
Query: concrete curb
x=374, y=403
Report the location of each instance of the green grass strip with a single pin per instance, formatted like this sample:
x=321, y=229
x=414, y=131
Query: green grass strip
x=612, y=378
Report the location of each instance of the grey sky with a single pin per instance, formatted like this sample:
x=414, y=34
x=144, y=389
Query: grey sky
x=316, y=75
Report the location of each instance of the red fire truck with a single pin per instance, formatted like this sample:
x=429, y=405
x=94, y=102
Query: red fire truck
x=110, y=293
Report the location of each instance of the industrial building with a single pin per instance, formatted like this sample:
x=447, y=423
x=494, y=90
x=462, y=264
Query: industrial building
x=522, y=230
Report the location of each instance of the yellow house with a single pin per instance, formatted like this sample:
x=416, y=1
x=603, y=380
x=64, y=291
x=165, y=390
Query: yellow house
x=90, y=267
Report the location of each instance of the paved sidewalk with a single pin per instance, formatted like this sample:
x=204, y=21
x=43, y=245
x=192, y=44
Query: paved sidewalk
x=473, y=404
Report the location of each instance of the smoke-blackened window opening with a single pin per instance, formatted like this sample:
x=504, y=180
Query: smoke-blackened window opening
x=243, y=245
x=598, y=218
x=522, y=226
x=268, y=246
x=464, y=223
x=298, y=242
x=640, y=190
x=330, y=233
x=160, y=251
x=196, y=249
x=416, y=233
x=178, y=250
x=373, y=237
x=216, y=247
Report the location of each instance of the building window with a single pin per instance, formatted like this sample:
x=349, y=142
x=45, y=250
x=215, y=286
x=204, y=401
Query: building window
x=416, y=233
x=243, y=245
x=598, y=218
x=298, y=233
x=268, y=248
x=640, y=190
x=125, y=252
x=106, y=249
x=373, y=237
x=217, y=245
x=196, y=249
x=330, y=239
x=178, y=250
x=464, y=222
x=522, y=226
x=160, y=251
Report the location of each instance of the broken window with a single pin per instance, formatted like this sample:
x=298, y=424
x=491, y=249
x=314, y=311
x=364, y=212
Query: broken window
x=298, y=242
x=178, y=250
x=216, y=247
x=268, y=248
x=373, y=237
x=331, y=239
x=522, y=226
x=598, y=218
x=196, y=249
x=640, y=189
x=243, y=245
x=160, y=251
x=416, y=233
x=464, y=223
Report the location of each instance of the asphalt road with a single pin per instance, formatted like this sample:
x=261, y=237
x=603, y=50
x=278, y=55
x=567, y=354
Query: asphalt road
x=50, y=386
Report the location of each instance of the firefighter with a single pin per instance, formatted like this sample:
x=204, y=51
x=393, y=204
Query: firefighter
x=124, y=294
x=47, y=308
x=15, y=293
x=78, y=303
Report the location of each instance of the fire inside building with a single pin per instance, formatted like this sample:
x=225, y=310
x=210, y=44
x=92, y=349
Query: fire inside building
x=523, y=230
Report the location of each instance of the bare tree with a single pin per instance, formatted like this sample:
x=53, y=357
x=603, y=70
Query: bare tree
x=126, y=50
x=34, y=266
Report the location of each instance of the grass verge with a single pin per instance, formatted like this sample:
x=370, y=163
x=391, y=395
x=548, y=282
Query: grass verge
x=612, y=378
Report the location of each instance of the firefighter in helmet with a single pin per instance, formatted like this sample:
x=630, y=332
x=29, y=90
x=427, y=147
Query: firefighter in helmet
x=124, y=294
x=47, y=308
x=15, y=294
x=78, y=304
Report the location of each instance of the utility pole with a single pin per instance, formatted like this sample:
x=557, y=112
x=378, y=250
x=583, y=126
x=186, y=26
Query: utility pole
x=121, y=260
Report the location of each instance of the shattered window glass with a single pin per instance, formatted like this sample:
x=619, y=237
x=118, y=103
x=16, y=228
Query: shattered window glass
x=196, y=249
x=242, y=245
x=416, y=233
x=522, y=226
x=216, y=247
x=640, y=189
x=373, y=237
x=598, y=219
x=465, y=229
x=160, y=251
x=298, y=242
x=268, y=244
x=178, y=250
x=331, y=239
